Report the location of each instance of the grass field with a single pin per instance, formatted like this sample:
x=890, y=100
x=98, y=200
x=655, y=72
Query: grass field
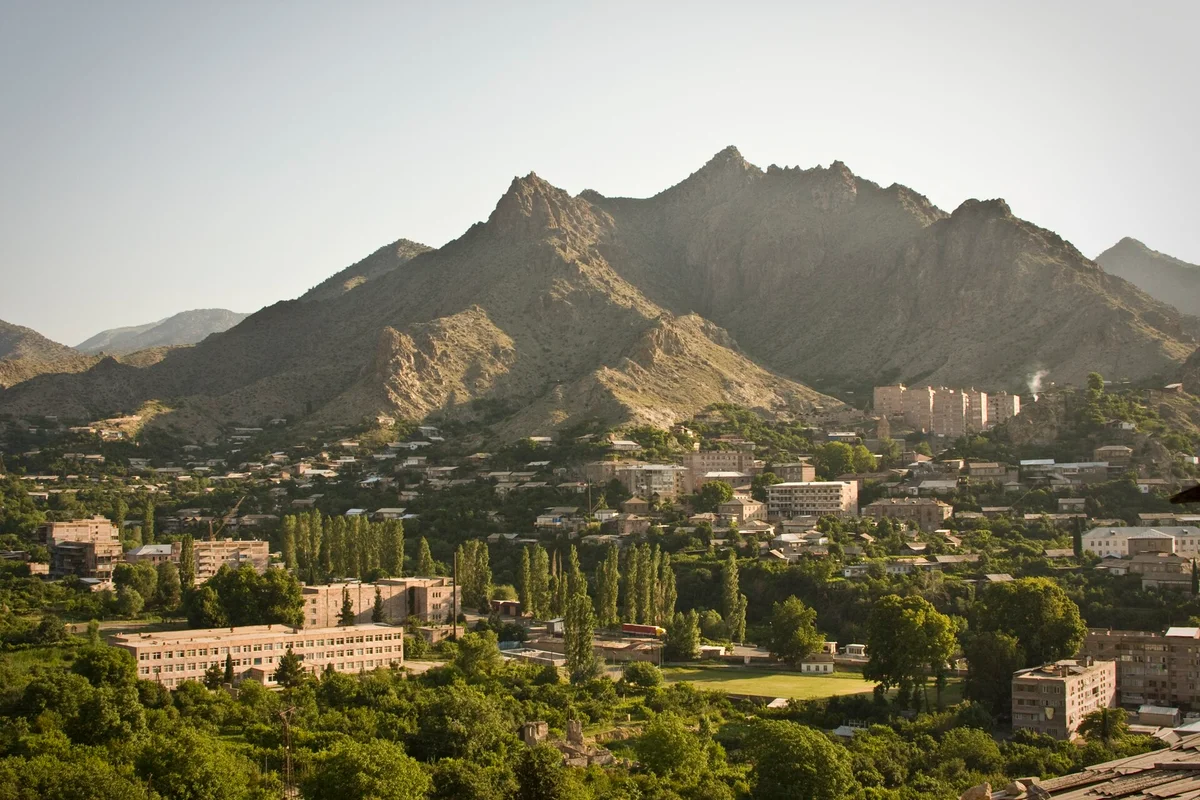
x=768, y=683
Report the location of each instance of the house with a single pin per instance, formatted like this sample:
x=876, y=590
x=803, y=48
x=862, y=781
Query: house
x=817, y=664
x=1069, y=504
x=987, y=470
x=925, y=513
x=856, y=650
x=1118, y=456
x=636, y=505
x=741, y=509
x=937, y=487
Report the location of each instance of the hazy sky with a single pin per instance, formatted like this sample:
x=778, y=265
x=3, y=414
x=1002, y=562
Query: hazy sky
x=159, y=156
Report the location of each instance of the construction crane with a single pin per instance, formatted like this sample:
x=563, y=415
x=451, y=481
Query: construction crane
x=231, y=514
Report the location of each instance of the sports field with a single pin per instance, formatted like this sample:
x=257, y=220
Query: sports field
x=768, y=683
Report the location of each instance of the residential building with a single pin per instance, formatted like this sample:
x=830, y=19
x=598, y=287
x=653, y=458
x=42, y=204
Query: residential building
x=740, y=509
x=950, y=411
x=1155, y=668
x=88, y=548
x=801, y=471
x=977, y=411
x=1118, y=456
x=426, y=598
x=210, y=556
x=698, y=464
x=1182, y=540
x=816, y=498
x=1053, y=699
x=666, y=481
x=918, y=408
x=925, y=512
x=1002, y=407
x=152, y=554
x=1162, y=571
x=889, y=401
x=987, y=470
x=172, y=657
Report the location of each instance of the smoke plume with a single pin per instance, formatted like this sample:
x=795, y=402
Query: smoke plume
x=1035, y=382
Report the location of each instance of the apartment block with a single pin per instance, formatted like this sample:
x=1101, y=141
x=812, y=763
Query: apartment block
x=1122, y=542
x=945, y=411
x=815, y=498
x=918, y=408
x=428, y=599
x=212, y=555
x=889, y=401
x=1002, y=407
x=1152, y=668
x=1053, y=699
x=801, y=471
x=172, y=657
x=742, y=510
x=977, y=410
x=88, y=548
x=950, y=410
x=925, y=512
x=648, y=480
x=699, y=464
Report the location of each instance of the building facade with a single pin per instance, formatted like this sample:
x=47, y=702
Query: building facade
x=925, y=512
x=699, y=464
x=428, y=599
x=815, y=498
x=1182, y=540
x=1002, y=407
x=801, y=471
x=172, y=657
x=1053, y=699
x=1160, y=669
x=89, y=548
x=666, y=481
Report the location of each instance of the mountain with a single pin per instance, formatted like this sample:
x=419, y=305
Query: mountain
x=379, y=263
x=736, y=284
x=186, y=327
x=25, y=353
x=1157, y=274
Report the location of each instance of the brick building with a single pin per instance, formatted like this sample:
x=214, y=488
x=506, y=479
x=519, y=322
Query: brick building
x=1155, y=668
x=428, y=599
x=801, y=471
x=1053, y=699
x=925, y=512
x=699, y=464
x=88, y=548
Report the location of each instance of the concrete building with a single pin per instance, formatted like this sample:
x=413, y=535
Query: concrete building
x=977, y=410
x=987, y=470
x=211, y=556
x=742, y=510
x=172, y=657
x=428, y=599
x=800, y=471
x=1155, y=668
x=88, y=548
x=666, y=481
x=1118, y=456
x=1002, y=407
x=152, y=554
x=1053, y=699
x=1122, y=542
x=698, y=464
x=925, y=512
x=950, y=411
x=815, y=498
x=889, y=401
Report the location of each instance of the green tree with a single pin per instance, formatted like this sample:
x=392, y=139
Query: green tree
x=148, y=523
x=213, y=676
x=187, y=563
x=1035, y=611
x=189, y=764
x=906, y=638
x=668, y=594
x=393, y=540
x=228, y=677
x=608, y=582
x=1105, y=725
x=794, y=635
x=129, y=602
x=861, y=459
x=683, y=637
x=633, y=569
x=370, y=770
x=832, y=459
x=478, y=654
x=759, y=484
x=667, y=747
x=540, y=774
x=347, y=615
x=539, y=583
x=524, y=581
x=288, y=543
x=106, y=666
x=642, y=674
x=733, y=602
x=169, y=591
x=794, y=762
x=992, y=658
x=377, y=612
x=579, y=626
x=290, y=672
x=710, y=495
x=425, y=565
x=203, y=608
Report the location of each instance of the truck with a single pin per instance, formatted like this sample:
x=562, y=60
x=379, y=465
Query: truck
x=652, y=631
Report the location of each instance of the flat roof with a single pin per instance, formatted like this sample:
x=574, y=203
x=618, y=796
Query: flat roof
x=203, y=635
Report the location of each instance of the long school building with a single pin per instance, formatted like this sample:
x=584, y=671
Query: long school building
x=172, y=657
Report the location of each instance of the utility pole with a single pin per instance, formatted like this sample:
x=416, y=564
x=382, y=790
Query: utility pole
x=289, y=778
x=454, y=596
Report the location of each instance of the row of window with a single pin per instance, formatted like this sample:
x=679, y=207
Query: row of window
x=268, y=646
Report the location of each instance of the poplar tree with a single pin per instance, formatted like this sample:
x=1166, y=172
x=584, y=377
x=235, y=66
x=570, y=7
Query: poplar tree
x=148, y=523
x=425, y=567
x=667, y=591
x=632, y=595
x=325, y=554
x=482, y=569
x=652, y=597
x=289, y=542
x=337, y=546
x=733, y=603
x=394, y=548
x=352, y=543
x=540, y=588
x=523, y=582
x=608, y=582
x=187, y=563
x=579, y=624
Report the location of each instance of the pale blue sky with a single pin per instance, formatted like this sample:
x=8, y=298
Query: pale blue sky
x=159, y=156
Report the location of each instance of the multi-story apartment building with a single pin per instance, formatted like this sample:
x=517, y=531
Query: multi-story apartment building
x=211, y=556
x=801, y=471
x=889, y=401
x=665, y=481
x=924, y=512
x=172, y=657
x=1054, y=698
x=1183, y=540
x=699, y=464
x=1161, y=669
x=918, y=408
x=742, y=510
x=1118, y=456
x=977, y=410
x=812, y=498
x=950, y=408
x=88, y=548
x=426, y=598
x=1002, y=407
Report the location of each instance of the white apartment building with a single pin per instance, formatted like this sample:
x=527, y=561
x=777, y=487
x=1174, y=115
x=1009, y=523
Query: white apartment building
x=1124, y=542
x=172, y=657
x=812, y=498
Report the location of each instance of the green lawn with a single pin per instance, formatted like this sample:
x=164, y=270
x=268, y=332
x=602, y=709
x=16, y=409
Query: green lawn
x=770, y=683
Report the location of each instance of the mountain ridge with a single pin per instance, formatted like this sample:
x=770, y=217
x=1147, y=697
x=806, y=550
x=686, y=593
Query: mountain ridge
x=184, y=328
x=1162, y=276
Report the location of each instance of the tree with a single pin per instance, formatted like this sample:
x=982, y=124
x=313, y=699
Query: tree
x=347, y=615
x=370, y=770
x=758, y=486
x=169, y=591
x=1038, y=613
x=187, y=563
x=425, y=565
x=608, y=582
x=50, y=630
x=540, y=774
x=579, y=626
x=1105, y=725
x=733, y=603
x=140, y=576
x=539, y=583
x=794, y=762
x=832, y=459
x=203, y=608
x=288, y=542
x=667, y=747
x=148, y=523
x=524, y=582
x=642, y=674
x=106, y=666
x=228, y=669
x=794, y=635
x=683, y=637
x=213, y=676
x=129, y=602
x=393, y=541
x=633, y=568
x=377, y=612
x=290, y=672
x=668, y=594
x=189, y=764
x=992, y=658
x=478, y=654
x=712, y=494
x=905, y=638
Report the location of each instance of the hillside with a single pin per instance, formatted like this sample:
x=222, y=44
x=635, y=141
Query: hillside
x=25, y=353
x=735, y=284
x=186, y=327
x=1157, y=274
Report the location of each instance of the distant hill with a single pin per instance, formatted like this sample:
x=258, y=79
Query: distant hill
x=186, y=327
x=1159, y=275
x=738, y=284
x=25, y=353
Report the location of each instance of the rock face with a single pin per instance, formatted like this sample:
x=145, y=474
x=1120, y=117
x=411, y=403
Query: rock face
x=733, y=285
x=186, y=327
x=1157, y=274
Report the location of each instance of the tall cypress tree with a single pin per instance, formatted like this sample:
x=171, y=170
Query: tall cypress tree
x=578, y=625
x=632, y=584
x=394, y=548
x=288, y=545
x=733, y=601
x=337, y=545
x=668, y=592
x=377, y=612
x=187, y=563
x=352, y=544
x=539, y=591
x=524, y=579
x=347, y=616
x=608, y=582
x=148, y=523
x=425, y=567
x=482, y=575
